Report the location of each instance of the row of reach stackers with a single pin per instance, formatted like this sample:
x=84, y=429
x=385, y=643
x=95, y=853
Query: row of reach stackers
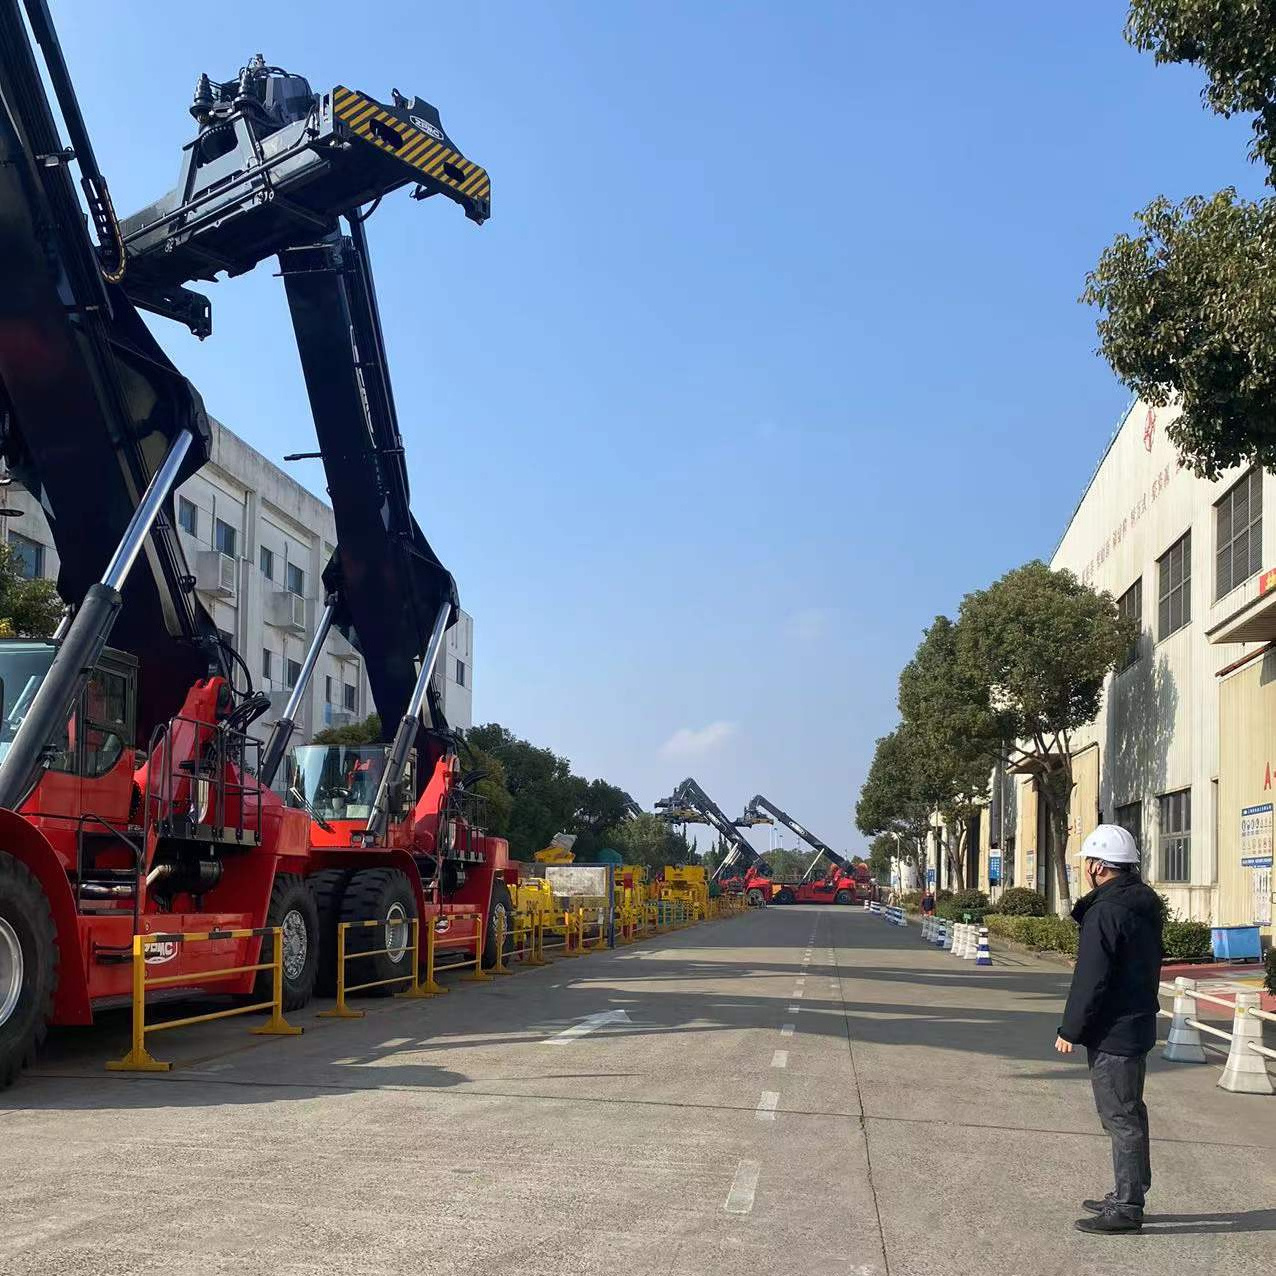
x=134, y=800
x=744, y=871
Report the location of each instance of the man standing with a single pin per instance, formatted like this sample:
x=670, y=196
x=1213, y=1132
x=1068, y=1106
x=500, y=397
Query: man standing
x=1111, y=1010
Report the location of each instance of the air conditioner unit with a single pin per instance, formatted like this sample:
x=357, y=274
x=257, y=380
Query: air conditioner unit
x=286, y=610
x=215, y=573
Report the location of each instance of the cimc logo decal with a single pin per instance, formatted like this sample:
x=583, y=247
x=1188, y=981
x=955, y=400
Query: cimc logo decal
x=1149, y=429
x=159, y=952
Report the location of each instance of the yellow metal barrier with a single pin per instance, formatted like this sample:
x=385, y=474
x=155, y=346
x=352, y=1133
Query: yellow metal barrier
x=139, y=1058
x=411, y=977
x=430, y=987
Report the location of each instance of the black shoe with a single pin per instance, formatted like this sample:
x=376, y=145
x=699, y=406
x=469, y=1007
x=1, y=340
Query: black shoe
x=1096, y=1207
x=1109, y=1223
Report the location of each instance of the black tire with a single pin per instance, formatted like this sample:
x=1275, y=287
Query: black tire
x=844, y=897
x=28, y=936
x=292, y=906
x=501, y=903
x=381, y=894
x=784, y=896
x=329, y=889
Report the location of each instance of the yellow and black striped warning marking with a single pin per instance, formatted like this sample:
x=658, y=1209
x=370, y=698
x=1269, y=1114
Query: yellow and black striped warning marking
x=423, y=152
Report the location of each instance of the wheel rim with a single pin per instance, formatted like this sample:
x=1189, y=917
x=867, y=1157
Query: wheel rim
x=10, y=970
x=296, y=944
x=396, y=932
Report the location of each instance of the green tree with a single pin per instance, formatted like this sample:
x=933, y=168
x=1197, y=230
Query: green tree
x=1188, y=299
x=649, y=840
x=28, y=608
x=1033, y=651
x=366, y=732
x=486, y=776
x=954, y=733
x=898, y=795
x=880, y=853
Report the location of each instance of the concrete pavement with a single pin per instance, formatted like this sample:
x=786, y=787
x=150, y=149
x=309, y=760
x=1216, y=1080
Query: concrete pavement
x=801, y=1090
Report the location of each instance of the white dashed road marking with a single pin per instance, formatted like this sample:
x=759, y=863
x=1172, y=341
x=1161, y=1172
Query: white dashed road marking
x=767, y=1105
x=780, y=1059
x=743, y=1187
x=794, y=1009
x=787, y=1030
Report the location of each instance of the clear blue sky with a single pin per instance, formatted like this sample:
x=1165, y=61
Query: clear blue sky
x=770, y=351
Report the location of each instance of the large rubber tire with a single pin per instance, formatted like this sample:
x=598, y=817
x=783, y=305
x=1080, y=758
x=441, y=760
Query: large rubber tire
x=784, y=896
x=844, y=897
x=292, y=906
x=329, y=889
x=755, y=898
x=501, y=903
x=382, y=894
x=28, y=968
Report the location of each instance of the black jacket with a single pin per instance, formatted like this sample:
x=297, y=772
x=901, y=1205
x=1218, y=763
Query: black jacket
x=1112, y=1003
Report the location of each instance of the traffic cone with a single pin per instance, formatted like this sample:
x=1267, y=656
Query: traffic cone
x=1245, y=1071
x=950, y=936
x=1183, y=1045
x=971, y=951
x=983, y=957
x=941, y=932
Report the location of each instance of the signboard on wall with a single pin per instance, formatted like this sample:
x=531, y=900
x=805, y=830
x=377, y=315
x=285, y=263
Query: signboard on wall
x=994, y=868
x=1032, y=870
x=1256, y=836
x=930, y=877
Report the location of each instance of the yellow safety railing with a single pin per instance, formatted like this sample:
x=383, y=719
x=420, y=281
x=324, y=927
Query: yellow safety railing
x=430, y=987
x=411, y=976
x=139, y=1058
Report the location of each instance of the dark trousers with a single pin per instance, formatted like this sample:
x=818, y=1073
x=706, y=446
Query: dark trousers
x=1117, y=1082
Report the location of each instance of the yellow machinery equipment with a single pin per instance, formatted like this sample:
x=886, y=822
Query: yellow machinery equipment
x=687, y=884
x=559, y=850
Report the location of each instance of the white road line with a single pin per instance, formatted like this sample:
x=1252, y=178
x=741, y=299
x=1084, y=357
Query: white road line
x=586, y=1025
x=793, y=1010
x=780, y=1059
x=743, y=1187
x=799, y=992
x=394, y=1043
x=787, y=1030
x=767, y=1104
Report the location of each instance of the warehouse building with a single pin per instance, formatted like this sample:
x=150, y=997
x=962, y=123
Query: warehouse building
x=256, y=542
x=1183, y=751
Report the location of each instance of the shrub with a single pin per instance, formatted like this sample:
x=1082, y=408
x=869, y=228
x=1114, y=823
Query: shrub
x=1270, y=981
x=1186, y=941
x=957, y=906
x=1044, y=934
x=909, y=901
x=1019, y=901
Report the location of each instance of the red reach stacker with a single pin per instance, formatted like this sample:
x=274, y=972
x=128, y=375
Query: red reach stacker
x=100, y=840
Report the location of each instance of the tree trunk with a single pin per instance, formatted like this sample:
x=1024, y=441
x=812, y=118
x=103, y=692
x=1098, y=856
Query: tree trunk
x=1056, y=788
x=957, y=862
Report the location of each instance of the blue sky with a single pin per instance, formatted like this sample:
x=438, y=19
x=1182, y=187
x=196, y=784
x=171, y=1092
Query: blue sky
x=770, y=351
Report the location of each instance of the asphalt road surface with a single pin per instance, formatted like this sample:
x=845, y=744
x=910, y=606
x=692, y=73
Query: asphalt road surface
x=799, y=1092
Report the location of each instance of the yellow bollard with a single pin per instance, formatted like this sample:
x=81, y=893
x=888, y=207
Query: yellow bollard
x=138, y=1058
x=499, y=967
x=416, y=990
x=340, y=1010
x=429, y=988
x=538, y=957
x=478, y=975
x=277, y=1025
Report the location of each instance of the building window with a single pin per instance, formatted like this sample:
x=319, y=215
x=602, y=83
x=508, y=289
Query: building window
x=327, y=689
x=1130, y=818
x=1238, y=529
x=295, y=579
x=1174, y=568
x=187, y=516
x=350, y=697
x=292, y=669
x=266, y=558
x=1130, y=607
x=225, y=538
x=1176, y=836
x=28, y=555
x=460, y=673
x=267, y=663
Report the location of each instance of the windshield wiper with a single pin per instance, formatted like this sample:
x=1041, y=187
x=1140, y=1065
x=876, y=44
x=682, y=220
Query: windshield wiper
x=310, y=810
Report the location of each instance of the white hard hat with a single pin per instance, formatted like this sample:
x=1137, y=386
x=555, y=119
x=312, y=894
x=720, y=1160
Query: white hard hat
x=1112, y=844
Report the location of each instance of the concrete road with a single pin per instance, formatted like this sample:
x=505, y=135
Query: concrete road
x=797, y=1091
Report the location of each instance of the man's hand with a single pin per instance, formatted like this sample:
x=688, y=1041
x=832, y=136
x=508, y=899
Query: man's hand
x=1062, y=1046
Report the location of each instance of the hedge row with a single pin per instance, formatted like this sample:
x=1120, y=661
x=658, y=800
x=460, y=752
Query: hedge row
x=1046, y=934
x=1270, y=981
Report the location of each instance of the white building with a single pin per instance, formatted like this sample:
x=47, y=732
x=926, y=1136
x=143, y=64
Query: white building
x=257, y=542
x=1185, y=558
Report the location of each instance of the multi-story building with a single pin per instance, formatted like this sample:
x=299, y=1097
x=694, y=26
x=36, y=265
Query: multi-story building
x=1182, y=751
x=257, y=542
